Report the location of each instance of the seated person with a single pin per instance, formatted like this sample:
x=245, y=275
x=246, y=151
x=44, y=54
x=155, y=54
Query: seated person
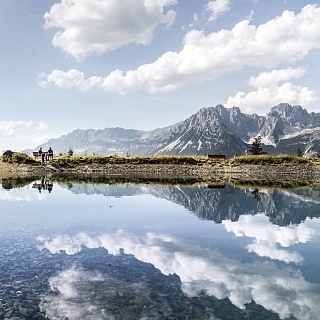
x=50, y=153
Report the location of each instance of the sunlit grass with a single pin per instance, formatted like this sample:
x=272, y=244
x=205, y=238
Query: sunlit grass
x=183, y=160
x=272, y=160
x=135, y=160
x=20, y=158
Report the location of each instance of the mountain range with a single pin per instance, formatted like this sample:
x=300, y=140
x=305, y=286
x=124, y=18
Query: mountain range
x=212, y=130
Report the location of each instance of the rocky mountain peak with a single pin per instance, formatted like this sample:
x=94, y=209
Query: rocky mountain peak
x=293, y=115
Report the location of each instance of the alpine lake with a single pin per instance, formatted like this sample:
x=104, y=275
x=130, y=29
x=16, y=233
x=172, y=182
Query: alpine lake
x=126, y=248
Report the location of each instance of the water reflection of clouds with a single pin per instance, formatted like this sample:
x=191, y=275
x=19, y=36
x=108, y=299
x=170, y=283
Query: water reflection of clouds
x=272, y=252
x=267, y=236
x=281, y=290
x=85, y=294
x=63, y=305
x=20, y=195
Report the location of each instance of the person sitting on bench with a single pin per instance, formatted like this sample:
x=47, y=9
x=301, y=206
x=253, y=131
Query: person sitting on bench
x=50, y=154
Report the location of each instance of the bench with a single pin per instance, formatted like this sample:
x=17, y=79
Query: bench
x=216, y=186
x=217, y=156
x=47, y=155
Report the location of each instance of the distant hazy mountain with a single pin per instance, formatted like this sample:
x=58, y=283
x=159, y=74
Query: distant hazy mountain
x=217, y=130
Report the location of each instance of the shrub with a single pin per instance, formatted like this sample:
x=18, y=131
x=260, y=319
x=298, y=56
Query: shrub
x=18, y=157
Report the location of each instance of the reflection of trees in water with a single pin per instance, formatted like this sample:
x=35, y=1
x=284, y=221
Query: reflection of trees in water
x=256, y=194
x=16, y=182
x=130, y=178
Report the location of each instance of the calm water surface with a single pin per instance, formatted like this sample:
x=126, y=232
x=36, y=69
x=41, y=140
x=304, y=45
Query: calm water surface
x=71, y=250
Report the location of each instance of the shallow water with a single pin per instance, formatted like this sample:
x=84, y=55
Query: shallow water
x=105, y=250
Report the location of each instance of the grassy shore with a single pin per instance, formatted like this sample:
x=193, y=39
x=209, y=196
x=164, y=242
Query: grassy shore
x=67, y=160
x=242, y=168
x=20, y=160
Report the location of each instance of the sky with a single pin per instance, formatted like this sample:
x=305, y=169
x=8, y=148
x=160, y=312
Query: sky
x=147, y=64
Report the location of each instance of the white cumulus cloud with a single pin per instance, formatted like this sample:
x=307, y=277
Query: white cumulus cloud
x=284, y=39
x=270, y=91
x=9, y=128
x=70, y=79
x=267, y=79
x=27, y=132
x=97, y=26
x=217, y=8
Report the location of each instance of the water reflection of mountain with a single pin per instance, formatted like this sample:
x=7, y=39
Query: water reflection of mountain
x=282, y=207
x=117, y=190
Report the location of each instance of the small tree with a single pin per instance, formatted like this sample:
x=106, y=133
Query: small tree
x=256, y=147
x=318, y=154
x=70, y=152
x=299, y=152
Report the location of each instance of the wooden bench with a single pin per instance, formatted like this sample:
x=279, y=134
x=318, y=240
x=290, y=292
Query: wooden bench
x=217, y=156
x=216, y=186
x=47, y=155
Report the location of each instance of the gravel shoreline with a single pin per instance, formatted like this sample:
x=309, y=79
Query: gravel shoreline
x=221, y=171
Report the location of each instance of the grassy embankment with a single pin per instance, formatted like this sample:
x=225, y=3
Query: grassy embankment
x=79, y=160
x=26, y=165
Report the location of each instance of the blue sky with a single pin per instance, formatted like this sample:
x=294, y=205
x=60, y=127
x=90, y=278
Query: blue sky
x=146, y=64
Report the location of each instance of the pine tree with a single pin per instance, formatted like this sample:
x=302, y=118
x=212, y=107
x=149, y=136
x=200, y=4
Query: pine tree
x=299, y=152
x=256, y=147
x=70, y=152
